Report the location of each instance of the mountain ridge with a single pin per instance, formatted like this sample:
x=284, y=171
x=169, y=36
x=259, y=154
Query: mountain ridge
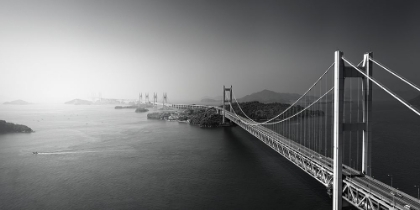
x=268, y=96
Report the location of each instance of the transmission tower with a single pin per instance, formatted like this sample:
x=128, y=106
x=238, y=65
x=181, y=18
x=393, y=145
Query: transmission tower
x=147, y=97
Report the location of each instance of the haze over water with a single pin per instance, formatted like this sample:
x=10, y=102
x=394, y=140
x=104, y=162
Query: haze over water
x=95, y=157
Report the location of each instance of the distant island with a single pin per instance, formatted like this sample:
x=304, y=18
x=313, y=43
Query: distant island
x=78, y=102
x=102, y=101
x=126, y=107
x=7, y=127
x=17, y=102
x=141, y=109
x=206, y=118
x=261, y=111
x=209, y=100
x=110, y=101
x=264, y=96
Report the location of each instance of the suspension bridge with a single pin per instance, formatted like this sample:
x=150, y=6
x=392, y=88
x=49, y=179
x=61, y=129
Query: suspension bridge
x=320, y=134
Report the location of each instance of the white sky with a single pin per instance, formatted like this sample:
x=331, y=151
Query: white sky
x=55, y=51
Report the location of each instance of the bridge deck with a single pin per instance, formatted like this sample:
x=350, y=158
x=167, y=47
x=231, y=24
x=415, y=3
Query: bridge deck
x=359, y=184
x=362, y=191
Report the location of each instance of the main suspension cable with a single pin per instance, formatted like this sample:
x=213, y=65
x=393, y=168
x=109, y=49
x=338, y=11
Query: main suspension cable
x=384, y=88
x=292, y=105
x=395, y=74
x=290, y=117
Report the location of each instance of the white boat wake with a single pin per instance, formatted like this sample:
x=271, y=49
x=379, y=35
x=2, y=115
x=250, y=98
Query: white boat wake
x=76, y=152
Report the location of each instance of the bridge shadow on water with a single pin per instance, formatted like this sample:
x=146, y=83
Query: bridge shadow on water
x=280, y=179
x=281, y=182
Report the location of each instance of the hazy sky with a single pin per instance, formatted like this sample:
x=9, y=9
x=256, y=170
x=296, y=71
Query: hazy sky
x=54, y=51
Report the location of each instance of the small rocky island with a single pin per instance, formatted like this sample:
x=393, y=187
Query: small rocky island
x=79, y=102
x=141, y=109
x=126, y=107
x=17, y=102
x=7, y=127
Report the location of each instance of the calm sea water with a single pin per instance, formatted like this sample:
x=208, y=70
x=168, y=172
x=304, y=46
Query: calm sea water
x=95, y=157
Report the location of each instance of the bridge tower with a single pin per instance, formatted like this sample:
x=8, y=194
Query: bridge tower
x=154, y=99
x=140, y=98
x=341, y=72
x=165, y=99
x=367, y=115
x=224, y=100
x=147, y=97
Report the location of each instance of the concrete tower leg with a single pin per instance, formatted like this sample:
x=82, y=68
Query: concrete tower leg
x=367, y=115
x=338, y=131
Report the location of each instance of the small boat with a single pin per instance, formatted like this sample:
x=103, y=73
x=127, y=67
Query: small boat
x=35, y=153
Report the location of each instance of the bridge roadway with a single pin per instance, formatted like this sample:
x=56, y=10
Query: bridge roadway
x=361, y=191
x=357, y=189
